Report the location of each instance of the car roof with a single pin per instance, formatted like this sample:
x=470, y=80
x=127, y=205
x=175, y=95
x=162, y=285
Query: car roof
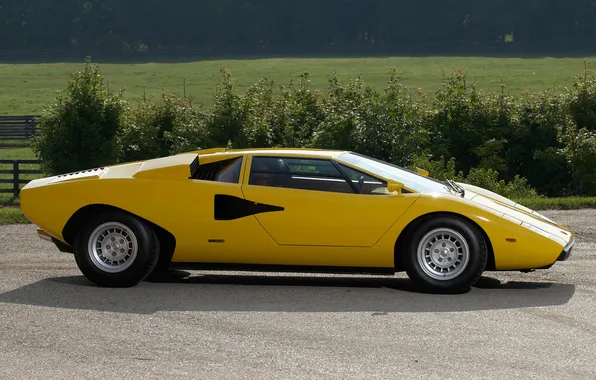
x=296, y=152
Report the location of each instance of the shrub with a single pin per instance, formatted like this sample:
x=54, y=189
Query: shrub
x=519, y=188
x=440, y=169
x=533, y=149
x=138, y=136
x=297, y=114
x=499, y=118
x=257, y=109
x=225, y=122
x=80, y=130
x=456, y=121
x=342, y=109
x=489, y=179
x=403, y=114
x=582, y=101
x=189, y=129
x=486, y=178
x=580, y=151
x=171, y=126
x=386, y=126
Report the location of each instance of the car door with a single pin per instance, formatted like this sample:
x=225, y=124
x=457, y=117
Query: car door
x=309, y=202
x=208, y=228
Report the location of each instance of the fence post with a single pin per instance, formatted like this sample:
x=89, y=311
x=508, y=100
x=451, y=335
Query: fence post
x=15, y=176
x=30, y=128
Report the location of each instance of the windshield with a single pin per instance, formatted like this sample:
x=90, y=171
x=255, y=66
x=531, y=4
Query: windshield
x=410, y=179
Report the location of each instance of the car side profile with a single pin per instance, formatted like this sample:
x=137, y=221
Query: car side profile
x=297, y=210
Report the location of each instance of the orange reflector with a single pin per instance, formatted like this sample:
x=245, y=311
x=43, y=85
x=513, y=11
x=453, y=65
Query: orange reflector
x=511, y=240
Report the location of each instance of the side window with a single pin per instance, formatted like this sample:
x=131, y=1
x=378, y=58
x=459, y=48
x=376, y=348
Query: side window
x=369, y=184
x=298, y=173
x=220, y=171
x=230, y=172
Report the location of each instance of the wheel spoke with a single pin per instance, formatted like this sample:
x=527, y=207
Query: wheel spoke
x=112, y=247
x=443, y=253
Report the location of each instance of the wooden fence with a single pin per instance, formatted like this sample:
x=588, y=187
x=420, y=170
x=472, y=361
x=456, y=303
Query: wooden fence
x=16, y=181
x=16, y=128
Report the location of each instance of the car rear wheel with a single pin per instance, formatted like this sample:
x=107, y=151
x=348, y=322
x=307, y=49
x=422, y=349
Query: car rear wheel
x=116, y=250
x=445, y=254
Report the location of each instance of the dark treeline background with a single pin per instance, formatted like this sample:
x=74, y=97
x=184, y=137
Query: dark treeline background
x=150, y=25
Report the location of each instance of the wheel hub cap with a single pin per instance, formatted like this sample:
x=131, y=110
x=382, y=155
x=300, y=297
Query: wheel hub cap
x=112, y=247
x=443, y=254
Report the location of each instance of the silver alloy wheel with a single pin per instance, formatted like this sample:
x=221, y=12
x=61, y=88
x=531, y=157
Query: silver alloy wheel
x=112, y=247
x=443, y=254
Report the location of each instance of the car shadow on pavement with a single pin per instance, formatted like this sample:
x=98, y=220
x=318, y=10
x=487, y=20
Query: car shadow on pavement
x=220, y=292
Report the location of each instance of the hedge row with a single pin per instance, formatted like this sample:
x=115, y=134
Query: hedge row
x=519, y=146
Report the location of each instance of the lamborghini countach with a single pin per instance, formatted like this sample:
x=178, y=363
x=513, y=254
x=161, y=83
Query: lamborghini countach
x=293, y=210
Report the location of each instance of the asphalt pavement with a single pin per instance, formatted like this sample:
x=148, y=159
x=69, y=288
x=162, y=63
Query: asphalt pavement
x=54, y=324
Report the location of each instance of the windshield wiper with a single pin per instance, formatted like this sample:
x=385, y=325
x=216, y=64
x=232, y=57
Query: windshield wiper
x=456, y=187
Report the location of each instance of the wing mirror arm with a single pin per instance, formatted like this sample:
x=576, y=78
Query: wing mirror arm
x=394, y=186
x=422, y=172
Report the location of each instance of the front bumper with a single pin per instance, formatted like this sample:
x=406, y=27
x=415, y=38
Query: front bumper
x=62, y=247
x=44, y=235
x=566, y=253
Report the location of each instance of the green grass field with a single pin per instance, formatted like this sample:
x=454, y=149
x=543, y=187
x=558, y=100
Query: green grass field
x=17, y=154
x=12, y=215
x=25, y=88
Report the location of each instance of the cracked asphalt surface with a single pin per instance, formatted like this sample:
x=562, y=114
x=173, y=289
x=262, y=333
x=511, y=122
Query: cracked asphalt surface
x=54, y=324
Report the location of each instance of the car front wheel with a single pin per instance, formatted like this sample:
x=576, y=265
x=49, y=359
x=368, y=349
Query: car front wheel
x=116, y=250
x=445, y=254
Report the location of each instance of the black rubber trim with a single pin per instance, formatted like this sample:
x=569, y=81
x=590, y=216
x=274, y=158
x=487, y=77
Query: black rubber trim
x=194, y=167
x=284, y=268
x=228, y=207
x=564, y=256
x=544, y=267
x=62, y=247
x=346, y=177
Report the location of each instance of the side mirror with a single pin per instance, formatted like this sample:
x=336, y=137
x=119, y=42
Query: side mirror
x=393, y=186
x=422, y=172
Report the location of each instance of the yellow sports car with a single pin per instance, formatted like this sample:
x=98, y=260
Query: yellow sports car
x=295, y=210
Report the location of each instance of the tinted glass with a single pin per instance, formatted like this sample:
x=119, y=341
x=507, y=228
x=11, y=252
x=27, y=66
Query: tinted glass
x=369, y=185
x=296, y=173
x=410, y=179
x=220, y=171
x=230, y=172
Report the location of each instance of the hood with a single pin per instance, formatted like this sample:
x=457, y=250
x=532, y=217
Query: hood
x=518, y=214
x=475, y=190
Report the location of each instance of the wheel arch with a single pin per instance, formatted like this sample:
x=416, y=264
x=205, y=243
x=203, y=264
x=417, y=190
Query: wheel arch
x=167, y=241
x=403, y=237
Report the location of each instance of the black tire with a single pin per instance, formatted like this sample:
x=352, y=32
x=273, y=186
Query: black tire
x=165, y=257
x=452, y=235
x=141, y=263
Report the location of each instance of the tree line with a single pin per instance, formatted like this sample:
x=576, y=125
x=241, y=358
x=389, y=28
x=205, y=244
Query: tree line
x=154, y=24
x=519, y=146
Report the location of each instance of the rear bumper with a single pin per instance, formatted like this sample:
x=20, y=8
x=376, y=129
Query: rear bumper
x=566, y=253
